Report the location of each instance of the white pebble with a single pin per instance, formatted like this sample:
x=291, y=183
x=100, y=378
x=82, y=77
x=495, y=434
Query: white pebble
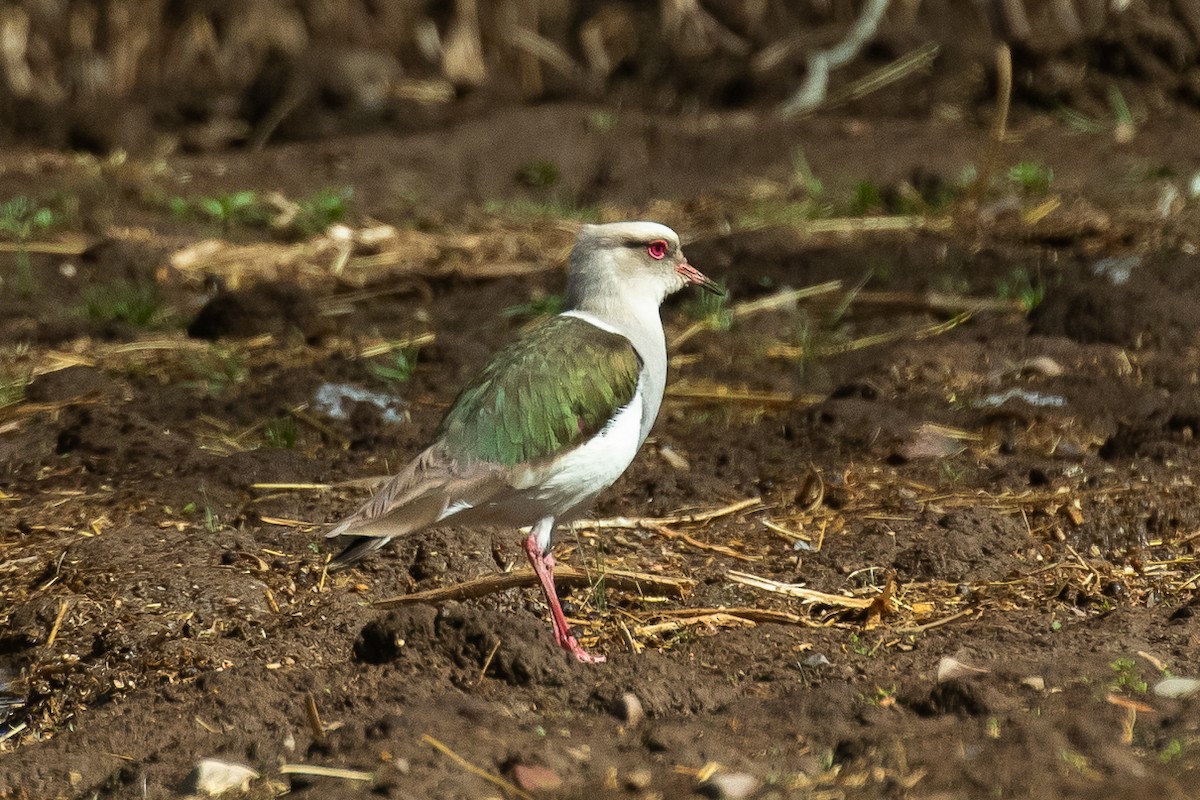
x=213, y=777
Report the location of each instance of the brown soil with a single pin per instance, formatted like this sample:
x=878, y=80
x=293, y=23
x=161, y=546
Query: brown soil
x=1017, y=492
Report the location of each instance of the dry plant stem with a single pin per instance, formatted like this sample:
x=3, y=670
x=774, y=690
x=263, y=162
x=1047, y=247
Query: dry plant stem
x=1128, y=702
x=74, y=247
x=920, y=58
x=727, y=394
x=769, y=303
x=398, y=344
x=792, y=590
x=783, y=299
x=747, y=613
x=495, y=780
x=296, y=487
x=892, y=336
x=860, y=225
x=535, y=50
x=12, y=732
x=794, y=352
x=937, y=623
x=937, y=302
x=315, y=771
x=633, y=644
x=621, y=580
x=315, y=726
x=786, y=533
x=320, y=427
x=342, y=304
x=1128, y=724
x=663, y=530
x=324, y=572
x=62, y=612
x=991, y=156
x=487, y=662
x=719, y=619
x=1153, y=661
x=627, y=523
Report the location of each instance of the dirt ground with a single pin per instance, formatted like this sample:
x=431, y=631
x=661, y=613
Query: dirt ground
x=987, y=514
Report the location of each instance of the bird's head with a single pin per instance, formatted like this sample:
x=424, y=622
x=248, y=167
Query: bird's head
x=629, y=261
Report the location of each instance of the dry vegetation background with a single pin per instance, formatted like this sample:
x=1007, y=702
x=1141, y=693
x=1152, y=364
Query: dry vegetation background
x=95, y=75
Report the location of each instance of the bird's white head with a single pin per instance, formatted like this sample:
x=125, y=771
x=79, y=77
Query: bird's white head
x=629, y=262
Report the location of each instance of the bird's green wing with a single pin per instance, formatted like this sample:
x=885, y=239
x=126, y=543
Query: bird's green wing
x=547, y=392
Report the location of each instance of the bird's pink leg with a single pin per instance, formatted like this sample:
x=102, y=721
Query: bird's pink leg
x=543, y=567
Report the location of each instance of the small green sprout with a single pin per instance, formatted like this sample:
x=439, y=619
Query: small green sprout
x=399, y=369
x=20, y=220
x=137, y=304
x=281, y=432
x=712, y=309
x=319, y=211
x=1127, y=676
x=1031, y=177
x=1026, y=289
x=13, y=388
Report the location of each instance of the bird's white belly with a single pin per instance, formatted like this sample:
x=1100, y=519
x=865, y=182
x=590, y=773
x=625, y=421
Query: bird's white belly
x=568, y=485
x=576, y=478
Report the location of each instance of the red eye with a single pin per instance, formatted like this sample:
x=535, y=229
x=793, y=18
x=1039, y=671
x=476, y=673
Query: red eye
x=657, y=250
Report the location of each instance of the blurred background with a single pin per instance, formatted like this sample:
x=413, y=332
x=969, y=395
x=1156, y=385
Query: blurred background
x=96, y=75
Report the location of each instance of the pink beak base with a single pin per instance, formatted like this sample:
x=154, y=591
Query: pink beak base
x=695, y=277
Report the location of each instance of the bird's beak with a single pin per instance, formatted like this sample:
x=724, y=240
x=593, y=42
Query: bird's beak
x=695, y=277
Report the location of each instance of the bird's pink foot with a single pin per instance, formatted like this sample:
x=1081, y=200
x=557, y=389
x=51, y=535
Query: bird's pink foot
x=581, y=655
x=543, y=567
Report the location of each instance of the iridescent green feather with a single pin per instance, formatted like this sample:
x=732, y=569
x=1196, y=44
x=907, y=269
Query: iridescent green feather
x=547, y=392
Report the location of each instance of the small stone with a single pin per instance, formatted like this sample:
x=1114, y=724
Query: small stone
x=629, y=709
x=214, y=777
x=950, y=668
x=1042, y=365
x=639, y=779
x=928, y=441
x=1035, y=682
x=536, y=779
x=1177, y=688
x=674, y=459
x=729, y=786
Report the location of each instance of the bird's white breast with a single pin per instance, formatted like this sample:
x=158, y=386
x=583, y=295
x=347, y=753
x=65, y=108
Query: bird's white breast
x=574, y=479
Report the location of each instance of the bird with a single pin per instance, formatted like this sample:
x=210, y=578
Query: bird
x=554, y=418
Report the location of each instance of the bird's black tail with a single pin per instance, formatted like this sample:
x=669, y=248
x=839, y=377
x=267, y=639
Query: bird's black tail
x=358, y=547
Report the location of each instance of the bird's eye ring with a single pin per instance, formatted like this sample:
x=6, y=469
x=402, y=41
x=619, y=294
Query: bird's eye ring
x=657, y=249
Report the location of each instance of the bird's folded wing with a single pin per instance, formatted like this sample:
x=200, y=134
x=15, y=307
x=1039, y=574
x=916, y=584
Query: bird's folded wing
x=543, y=395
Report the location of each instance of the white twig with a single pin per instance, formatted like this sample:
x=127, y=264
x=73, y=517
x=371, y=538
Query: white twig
x=816, y=83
